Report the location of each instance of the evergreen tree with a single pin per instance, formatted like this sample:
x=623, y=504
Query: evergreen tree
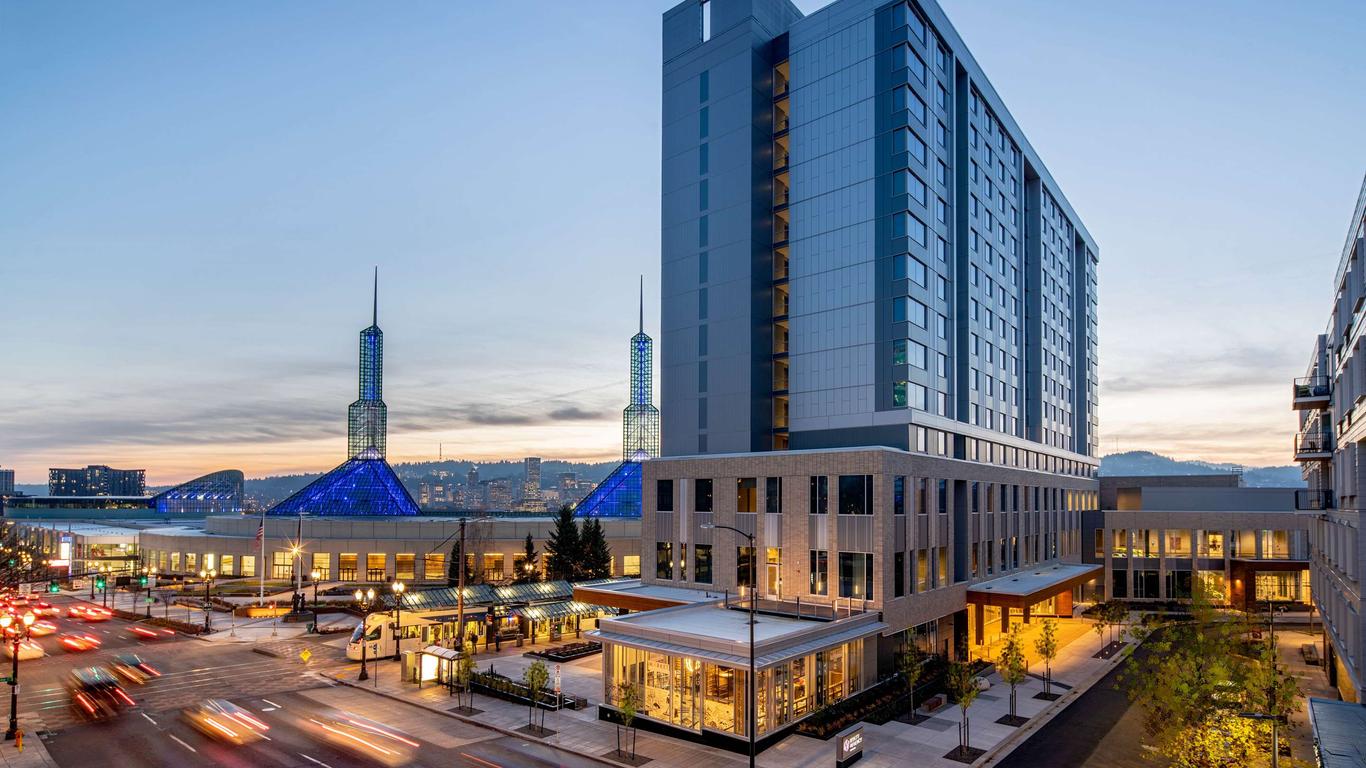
x=528, y=572
x=452, y=566
x=597, y=555
x=563, y=549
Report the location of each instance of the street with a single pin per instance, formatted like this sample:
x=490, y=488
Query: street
x=290, y=696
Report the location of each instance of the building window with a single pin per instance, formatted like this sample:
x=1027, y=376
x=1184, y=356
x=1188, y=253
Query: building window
x=922, y=570
x=773, y=495
x=227, y=565
x=746, y=491
x=744, y=566
x=192, y=561
x=899, y=574
x=346, y=566
x=322, y=563
x=375, y=569
x=702, y=563
x=405, y=567
x=434, y=566
x=664, y=560
x=664, y=495
x=899, y=496
x=856, y=495
x=282, y=565
x=820, y=495
x=702, y=495
x=630, y=565
x=820, y=572
x=248, y=565
x=856, y=575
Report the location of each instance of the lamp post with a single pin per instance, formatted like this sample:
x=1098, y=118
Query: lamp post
x=151, y=574
x=315, y=575
x=105, y=571
x=398, y=589
x=364, y=599
x=208, y=577
x=753, y=583
x=16, y=632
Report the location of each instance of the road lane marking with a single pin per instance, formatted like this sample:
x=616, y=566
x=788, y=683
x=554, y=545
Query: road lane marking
x=481, y=761
x=181, y=743
x=314, y=760
x=273, y=704
x=149, y=718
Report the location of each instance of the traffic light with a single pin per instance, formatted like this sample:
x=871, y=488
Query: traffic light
x=99, y=582
x=142, y=581
x=53, y=587
x=12, y=562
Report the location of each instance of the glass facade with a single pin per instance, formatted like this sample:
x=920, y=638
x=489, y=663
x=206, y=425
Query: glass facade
x=618, y=495
x=219, y=493
x=363, y=486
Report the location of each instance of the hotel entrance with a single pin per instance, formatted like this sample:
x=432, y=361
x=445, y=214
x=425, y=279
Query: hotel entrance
x=1021, y=599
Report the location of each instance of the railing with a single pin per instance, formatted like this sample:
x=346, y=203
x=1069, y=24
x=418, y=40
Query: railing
x=1314, y=441
x=1314, y=499
x=1312, y=386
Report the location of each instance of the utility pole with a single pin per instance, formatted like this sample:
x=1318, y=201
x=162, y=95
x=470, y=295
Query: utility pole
x=460, y=592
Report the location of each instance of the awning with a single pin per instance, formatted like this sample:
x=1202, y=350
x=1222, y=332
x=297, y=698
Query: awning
x=1030, y=585
x=818, y=643
x=561, y=610
x=445, y=653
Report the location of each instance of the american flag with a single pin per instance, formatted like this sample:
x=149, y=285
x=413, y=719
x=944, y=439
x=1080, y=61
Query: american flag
x=260, y=533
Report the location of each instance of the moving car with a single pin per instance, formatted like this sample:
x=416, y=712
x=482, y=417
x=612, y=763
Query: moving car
x=95, y=693
x=133, y=668
x=148, y=633
x=363, y=737
x=222, y=720
x=73, y=642
x=96, y=613
x=42, y=628
x=28, y=650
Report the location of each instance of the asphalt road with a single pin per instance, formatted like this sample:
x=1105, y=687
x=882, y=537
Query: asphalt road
x=1071, y=738
x=287, y=694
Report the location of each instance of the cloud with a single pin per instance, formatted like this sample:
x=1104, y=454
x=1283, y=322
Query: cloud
x=575, y=413
x=1222, y=368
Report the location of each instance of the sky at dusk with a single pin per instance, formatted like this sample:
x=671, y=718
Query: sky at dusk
x=193, y=196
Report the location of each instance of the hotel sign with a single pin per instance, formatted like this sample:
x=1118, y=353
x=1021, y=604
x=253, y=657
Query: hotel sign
x=849, y=746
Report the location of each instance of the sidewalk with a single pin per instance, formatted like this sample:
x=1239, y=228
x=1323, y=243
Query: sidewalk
x=892, y=744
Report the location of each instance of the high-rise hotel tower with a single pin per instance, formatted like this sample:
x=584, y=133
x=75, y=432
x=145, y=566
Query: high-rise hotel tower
x=860, y=247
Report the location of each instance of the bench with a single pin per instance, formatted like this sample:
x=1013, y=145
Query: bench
x=933, y=703
x=1310, y=652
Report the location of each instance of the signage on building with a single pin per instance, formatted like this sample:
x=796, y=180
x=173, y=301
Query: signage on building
x=849, y=746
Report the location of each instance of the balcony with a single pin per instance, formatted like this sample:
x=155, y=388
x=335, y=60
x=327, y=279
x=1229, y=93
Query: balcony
x=1313, y=499
x=1312, y=392
x=1314, y=445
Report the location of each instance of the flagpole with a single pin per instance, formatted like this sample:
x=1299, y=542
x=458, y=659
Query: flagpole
x=261, y=564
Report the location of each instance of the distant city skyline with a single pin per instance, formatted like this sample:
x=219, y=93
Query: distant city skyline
x=196, y=197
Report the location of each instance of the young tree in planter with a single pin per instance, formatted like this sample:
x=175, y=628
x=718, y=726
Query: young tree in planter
x=628, y=703
x=910, y=663
x=1099, y=614
x=1012, y=666
x=962, y=686
x=1116, y=614
x=534, y=678
x=1046, y=645
x=563, y=550
x=464, y=674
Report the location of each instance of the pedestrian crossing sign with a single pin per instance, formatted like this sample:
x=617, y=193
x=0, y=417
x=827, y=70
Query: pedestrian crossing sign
x=305, y=654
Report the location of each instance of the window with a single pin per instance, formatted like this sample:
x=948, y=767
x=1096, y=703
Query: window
x=856, y=495
x=664, y=495
x=820, y=572
x=704, y=80
x=664, y=560
x=906, y=309
x=905, y=141
x=248, y=565
x=434, y=566
x=281, y=565
x=703, y=122
x=899, y=574
x=904, y=98
x=226, y=568
x=746, y=489
x=907, y=183
x=820, y=496
x=192, y=561
x=744, y=566
x=630, y=565
x=913, y=62
x=899, y=496
x=702, y=563
x=703, y=195
x=906, y=225
x=405, y=567
x=346, y=566
x=701, y=303
x=773, y=495
x=375, y=567
x=703, y=159
x=702, y=235
x=706, y=21
x=322, y=563
x=702, y=495
x=856, y=575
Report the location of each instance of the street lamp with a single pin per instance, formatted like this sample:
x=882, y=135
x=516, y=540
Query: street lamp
x=316, y=574
x=104, y=591
x=151, y=573
x=753, y=583
x=17, y=633
x=208, y=577
x=398, y=589
x=364, y=599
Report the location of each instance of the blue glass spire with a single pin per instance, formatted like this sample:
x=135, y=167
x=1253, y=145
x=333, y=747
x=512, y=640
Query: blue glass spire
x=367, y=418
x=640, y=420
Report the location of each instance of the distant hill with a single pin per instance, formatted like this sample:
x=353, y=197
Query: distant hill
x=1149, y=463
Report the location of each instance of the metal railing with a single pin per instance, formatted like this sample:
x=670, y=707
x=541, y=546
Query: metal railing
x=1312, y=386
x=1314, y=499
x=1314, y=441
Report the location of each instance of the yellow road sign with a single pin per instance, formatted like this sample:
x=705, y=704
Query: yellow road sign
x=305, y=654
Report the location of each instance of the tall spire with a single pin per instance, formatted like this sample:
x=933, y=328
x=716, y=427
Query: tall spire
x=374, y=317
x=642, y=303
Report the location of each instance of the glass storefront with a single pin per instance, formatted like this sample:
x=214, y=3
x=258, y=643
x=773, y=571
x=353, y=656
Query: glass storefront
x=693, y=694
x=1282, y=586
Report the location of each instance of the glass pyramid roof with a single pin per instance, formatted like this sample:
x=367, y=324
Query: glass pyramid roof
x=364, y=486
x=618, y=495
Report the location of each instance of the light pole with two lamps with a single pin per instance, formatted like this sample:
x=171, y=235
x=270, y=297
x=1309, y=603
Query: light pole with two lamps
x=398, y=588
x=208, y=577
x=16, y=632
x=753, y=584
x=364, y=600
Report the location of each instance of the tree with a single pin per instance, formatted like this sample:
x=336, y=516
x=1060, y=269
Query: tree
x=1011, y=664
x=628, y=703
x=1099, y=613
x=1046, y=645
x=563, y=550
x=1272, y=691
x=464, y=672
x=453, y=566
x=534, y=678
x=597, y=555
x=962, y=686
x=910, y=663
x=1116, y=614
x=528, y=573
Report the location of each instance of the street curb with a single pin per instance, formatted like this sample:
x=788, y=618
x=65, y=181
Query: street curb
x=463, y=719
x=1021, y=735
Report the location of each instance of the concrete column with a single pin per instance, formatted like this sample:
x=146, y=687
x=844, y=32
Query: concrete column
x=1026, y=614
x=1005, y=619
x=981, y=619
